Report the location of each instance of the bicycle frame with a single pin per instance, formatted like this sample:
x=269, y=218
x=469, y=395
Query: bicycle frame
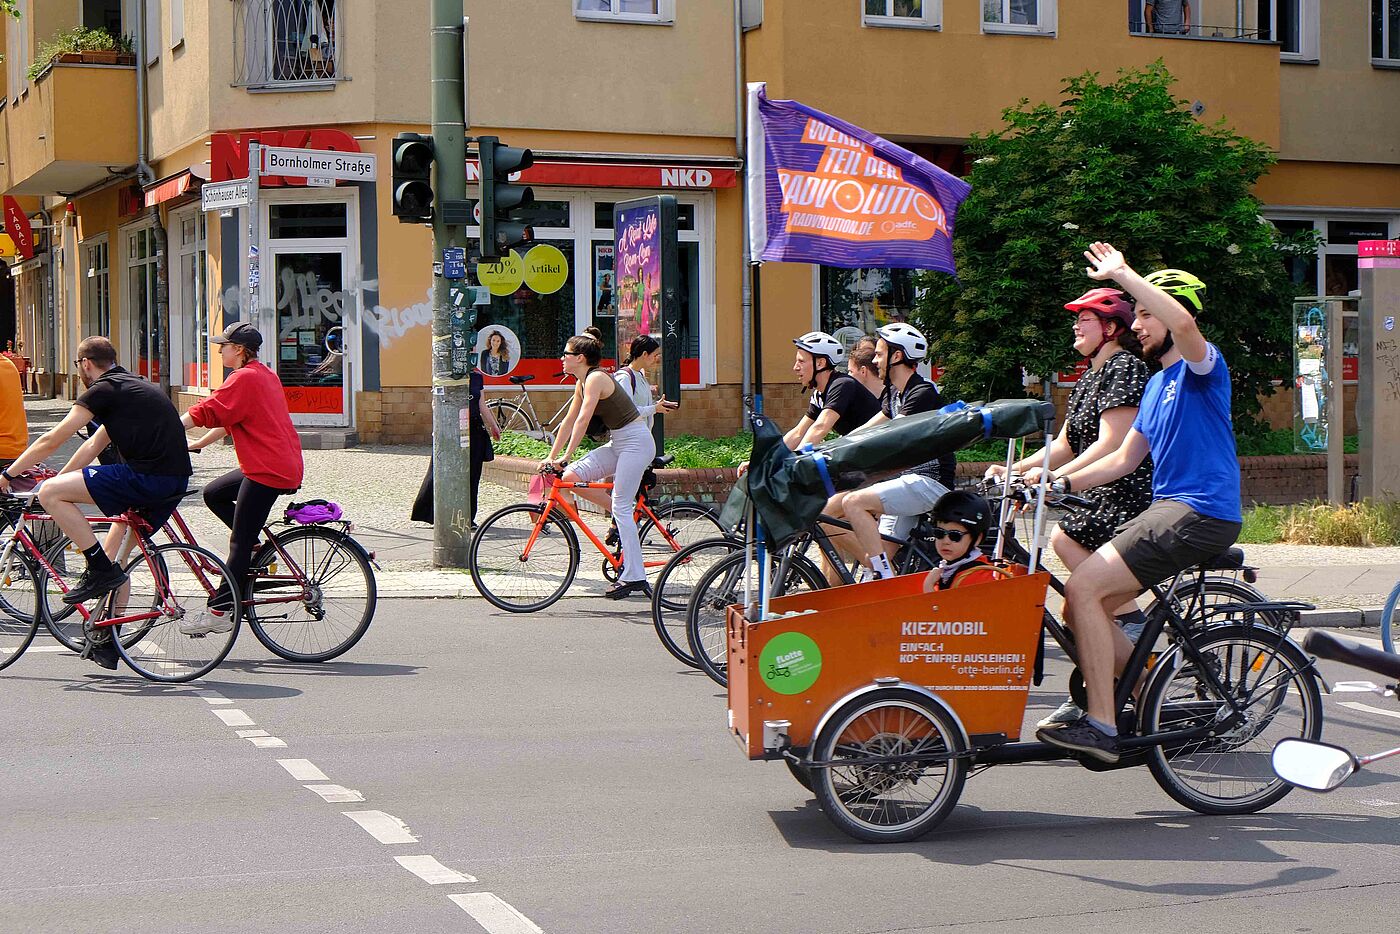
x=133, y=524
x=179, y=533
x=557, y=500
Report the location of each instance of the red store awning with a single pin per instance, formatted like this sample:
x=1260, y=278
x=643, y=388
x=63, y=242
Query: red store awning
x=170, y=188
x=587, y=174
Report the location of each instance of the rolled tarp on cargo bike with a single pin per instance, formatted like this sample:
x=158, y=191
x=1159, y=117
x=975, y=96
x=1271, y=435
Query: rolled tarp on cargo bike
x=789, y=489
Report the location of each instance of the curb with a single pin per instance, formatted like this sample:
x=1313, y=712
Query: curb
x=1342, y=618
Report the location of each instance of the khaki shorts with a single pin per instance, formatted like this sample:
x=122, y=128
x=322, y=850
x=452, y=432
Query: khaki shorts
x=1171, y=537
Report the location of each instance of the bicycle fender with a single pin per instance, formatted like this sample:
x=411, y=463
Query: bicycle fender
x=881, y=684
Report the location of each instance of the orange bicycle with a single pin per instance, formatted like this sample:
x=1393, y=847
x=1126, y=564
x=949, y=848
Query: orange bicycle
x=525, y=557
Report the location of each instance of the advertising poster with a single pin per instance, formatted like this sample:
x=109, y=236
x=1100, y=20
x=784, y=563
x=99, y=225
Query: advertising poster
x=604, y=305
x=646, y=284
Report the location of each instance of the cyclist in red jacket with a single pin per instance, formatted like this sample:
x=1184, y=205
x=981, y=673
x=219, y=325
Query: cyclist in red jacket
x=251, y=407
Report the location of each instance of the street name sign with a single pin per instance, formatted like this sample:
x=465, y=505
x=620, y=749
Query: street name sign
x=320, y=164
x=222, y=196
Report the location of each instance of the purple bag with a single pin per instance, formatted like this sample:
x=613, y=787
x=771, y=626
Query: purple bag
x=313, y=511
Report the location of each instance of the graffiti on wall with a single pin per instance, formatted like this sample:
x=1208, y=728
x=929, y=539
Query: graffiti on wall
x=304, y=303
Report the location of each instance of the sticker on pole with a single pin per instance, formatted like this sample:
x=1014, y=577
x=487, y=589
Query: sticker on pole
x=790, y=663
x=1390, y=322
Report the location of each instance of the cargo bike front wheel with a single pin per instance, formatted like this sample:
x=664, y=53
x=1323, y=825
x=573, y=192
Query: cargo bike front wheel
x=889, y=765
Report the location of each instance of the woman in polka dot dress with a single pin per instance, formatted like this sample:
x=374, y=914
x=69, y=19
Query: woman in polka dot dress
x=1099, y=415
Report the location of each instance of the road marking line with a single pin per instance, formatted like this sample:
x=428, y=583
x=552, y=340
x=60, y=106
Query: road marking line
x=336, y=794
x=431, y=871
x=1377, y=803
x=495, y=915
x=47, y=648
x=234, y=717
x=267, y=742
x=248, y=734
x=302, y=770
x=1353, y=705
x=386, y=828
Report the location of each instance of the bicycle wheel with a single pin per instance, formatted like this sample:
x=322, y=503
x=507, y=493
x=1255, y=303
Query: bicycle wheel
x=16, y=632
x=679, y=523
x=1271, y=680
x=319, y=613
x=19, y=588
x=1387, y=639
x=514, y=578
x=722, y=585
x=671, y=594
x=511, y=416
x=175, y=635
x=904, y=775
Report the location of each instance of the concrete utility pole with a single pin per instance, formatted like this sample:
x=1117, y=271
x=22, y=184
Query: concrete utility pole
x=451, y=396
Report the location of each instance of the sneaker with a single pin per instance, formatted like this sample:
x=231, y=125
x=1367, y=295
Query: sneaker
x=627, y=588
x=1068, y=712
x=103, y=652
x=1082, y=736
x=202, y=625
x=95, y=584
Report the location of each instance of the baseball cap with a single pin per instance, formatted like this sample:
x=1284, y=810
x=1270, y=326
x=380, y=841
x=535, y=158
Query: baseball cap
x=242, y=333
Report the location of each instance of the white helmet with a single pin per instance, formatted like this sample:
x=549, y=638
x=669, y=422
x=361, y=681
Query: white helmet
x=906, y=337
x=822, y=344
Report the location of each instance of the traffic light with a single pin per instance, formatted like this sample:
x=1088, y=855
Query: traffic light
x=413, y=178
x=500, y=232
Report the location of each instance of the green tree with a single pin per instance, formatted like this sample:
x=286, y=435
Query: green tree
x=1130, y=164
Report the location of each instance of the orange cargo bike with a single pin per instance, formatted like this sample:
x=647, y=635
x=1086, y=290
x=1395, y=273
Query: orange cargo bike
x=882, y=699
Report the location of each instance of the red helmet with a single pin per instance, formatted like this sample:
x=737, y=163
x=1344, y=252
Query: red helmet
x=1106, y=303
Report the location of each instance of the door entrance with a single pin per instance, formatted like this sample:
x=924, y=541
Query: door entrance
x=310, y=295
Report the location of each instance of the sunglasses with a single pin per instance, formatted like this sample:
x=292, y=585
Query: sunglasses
x=571, y=353
x=953, y=535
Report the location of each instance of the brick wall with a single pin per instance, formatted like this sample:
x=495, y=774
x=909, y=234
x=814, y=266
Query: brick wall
x=398, y=415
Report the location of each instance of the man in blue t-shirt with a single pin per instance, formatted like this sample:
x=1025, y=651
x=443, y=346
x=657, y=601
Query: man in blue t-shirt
x=1184, y=423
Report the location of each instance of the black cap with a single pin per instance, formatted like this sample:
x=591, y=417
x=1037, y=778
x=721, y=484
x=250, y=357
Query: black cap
x=242, y=333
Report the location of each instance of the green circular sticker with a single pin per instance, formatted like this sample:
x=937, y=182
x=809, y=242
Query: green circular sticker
x=790, y=663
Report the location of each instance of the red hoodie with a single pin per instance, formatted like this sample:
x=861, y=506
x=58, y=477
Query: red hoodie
x=253, y=408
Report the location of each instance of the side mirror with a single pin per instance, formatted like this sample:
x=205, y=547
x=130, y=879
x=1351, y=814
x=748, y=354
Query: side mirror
x=1315, y=766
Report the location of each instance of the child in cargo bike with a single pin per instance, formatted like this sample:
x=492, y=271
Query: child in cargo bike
x=962, y=520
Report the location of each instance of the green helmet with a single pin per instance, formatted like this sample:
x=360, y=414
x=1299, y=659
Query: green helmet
x=1179, y=282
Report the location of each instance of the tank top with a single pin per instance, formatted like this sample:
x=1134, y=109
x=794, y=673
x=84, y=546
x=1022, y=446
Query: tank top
x=617, y=409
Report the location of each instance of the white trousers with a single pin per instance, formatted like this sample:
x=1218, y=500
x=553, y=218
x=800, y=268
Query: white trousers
x=626, y=456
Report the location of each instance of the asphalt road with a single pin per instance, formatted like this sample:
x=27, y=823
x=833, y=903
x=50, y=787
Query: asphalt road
x=561, y=773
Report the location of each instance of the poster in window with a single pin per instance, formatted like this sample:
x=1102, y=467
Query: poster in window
x=498, y=350
x=604, y=305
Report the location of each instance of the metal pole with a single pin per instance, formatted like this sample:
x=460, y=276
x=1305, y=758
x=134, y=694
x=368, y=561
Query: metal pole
x=254, y=210
x=745, y=280
x=451, y=397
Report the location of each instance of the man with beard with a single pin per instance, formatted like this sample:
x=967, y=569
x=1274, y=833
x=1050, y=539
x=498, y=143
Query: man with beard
x=145, y=427
x=1184, y=423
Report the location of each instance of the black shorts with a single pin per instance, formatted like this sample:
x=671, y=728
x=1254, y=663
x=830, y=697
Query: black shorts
x=1170, y=537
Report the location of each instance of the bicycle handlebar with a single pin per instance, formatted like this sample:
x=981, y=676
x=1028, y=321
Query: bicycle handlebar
x=1017, y=490
x=1325, y=645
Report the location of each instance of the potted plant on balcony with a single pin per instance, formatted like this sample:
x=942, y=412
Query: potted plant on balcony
x=81, y=45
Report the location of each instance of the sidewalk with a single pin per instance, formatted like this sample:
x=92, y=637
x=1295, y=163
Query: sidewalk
x=375, y=485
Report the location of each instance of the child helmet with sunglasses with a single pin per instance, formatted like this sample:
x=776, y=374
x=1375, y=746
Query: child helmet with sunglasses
x=962, y=520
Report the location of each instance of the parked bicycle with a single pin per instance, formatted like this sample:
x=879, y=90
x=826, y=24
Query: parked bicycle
x=517, y=413
x=524, y=557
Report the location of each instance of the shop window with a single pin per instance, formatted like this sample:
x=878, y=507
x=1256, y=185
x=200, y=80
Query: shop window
x=1353, y=232
x=315, y=220
x=1385, y=33
x=143, y=323
x=1018, y=16
x=658, y=12
x=603, y=215
x=537, y=323
x=97, y=290
x=855, y=302
x=918, y=14
x=1301, y=269
x=191, y=293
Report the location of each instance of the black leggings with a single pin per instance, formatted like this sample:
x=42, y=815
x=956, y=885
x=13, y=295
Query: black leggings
x=243, y=505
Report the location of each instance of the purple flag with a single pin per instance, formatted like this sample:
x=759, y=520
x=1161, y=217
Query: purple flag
x=824, y=191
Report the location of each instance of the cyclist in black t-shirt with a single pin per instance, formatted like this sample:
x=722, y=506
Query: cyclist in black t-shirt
x=145, y=427
x=838, y=403
x=893, y=507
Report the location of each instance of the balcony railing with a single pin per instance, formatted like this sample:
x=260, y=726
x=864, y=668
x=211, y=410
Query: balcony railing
x=286, y=43
x=1205, y=31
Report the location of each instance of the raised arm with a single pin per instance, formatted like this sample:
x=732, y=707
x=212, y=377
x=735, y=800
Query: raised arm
x=1105, y=262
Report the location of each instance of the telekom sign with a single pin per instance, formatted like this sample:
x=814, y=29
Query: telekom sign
x=228, y=157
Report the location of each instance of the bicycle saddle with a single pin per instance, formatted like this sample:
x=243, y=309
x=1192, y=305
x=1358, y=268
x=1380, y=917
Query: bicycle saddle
x=521, y=380
x=1231, y=560
x=665, y=460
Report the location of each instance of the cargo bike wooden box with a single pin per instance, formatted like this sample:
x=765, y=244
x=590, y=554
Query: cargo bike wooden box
x=881, y=698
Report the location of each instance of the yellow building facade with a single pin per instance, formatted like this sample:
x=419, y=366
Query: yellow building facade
x=618, y=99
